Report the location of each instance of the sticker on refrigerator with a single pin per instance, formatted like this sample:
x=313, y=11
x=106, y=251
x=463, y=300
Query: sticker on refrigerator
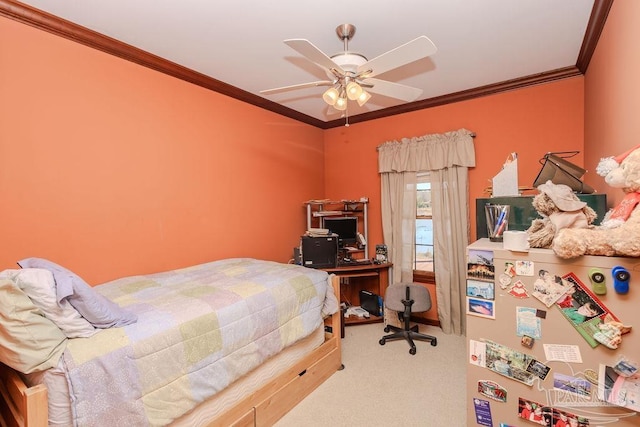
x=549, y=288
x=518, y=290
x=533, y=411
x=524, y=268
x=509, y=363
x=570, y=384
x=509, y=269
x=585, y=311
x=538, y=369
x=481, y=307
x=477, y=288
x=477, y=353
x=528, y=323
x=617, y=389
x=480, y=265
x=483, y=412
x=492, y=390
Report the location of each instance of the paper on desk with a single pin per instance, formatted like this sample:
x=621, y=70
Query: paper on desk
x=505, y=183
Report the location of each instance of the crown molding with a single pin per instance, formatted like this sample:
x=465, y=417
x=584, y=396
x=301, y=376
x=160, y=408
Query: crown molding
x=38, y=19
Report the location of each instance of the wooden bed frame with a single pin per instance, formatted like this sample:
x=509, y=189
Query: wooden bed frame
x=27, y=406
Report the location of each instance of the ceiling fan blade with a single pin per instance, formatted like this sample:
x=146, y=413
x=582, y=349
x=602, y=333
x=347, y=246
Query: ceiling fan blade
x=298, y=86
x=393, y=90
x=412, y=51
x=312, y=53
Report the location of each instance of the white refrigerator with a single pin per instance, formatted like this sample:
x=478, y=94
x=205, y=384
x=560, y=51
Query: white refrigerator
x=548, y=339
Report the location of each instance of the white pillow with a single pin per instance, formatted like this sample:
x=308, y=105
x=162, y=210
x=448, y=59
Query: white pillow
x=29, y=342
x=39, y=285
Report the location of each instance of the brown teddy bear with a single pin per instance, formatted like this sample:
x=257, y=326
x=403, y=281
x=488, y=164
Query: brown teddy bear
x=619, y=232
x=560, y=208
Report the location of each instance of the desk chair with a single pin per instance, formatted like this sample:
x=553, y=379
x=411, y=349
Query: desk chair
x=407, y=298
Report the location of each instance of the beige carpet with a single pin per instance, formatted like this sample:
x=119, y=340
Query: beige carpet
x=386, y=386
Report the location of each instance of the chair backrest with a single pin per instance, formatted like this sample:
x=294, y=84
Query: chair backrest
x=396, y=293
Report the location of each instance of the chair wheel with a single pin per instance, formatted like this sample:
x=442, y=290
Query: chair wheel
x=434, y=343
x=382, y=341
x=412, y=351
x=386, y=329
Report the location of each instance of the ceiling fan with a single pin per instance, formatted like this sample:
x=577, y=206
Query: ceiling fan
x=352, y=75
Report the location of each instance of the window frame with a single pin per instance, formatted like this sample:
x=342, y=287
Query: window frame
x=422, y=276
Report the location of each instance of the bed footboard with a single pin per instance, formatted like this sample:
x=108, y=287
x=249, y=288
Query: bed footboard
x=21, y=405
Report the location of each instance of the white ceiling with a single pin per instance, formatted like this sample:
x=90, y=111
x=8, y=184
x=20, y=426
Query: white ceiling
x=240, y=42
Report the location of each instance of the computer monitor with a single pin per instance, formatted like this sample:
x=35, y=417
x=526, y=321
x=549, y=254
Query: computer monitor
x=346, y=227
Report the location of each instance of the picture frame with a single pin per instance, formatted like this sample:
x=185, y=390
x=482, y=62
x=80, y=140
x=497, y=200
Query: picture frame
x=481, y=307
x=381, y=253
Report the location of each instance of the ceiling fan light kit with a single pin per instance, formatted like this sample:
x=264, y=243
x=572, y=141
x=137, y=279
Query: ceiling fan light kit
x=354, y=90
x=341, y=104
x=351, y=72
x=331, y=95
x=363, y=98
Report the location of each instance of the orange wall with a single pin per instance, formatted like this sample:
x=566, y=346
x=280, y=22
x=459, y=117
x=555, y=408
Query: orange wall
x=530, y=121
x=612, y=92
x=113, y=169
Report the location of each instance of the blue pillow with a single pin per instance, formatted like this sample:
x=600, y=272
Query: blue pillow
x=100, y=311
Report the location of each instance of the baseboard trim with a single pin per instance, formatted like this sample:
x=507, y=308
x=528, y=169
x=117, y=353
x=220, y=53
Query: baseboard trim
x=422, y=321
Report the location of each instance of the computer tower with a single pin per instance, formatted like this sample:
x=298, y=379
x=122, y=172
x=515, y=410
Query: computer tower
x=371, y=302
x=320, y=252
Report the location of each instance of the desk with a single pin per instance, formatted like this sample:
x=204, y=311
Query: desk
x=354, y=278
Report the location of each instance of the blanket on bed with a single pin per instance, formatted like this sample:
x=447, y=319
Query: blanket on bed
x=199, y=329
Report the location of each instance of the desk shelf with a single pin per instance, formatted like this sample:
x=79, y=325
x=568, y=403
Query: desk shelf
x=363, y=274
x=318, y=210
x=355, y=320
x=372, y=277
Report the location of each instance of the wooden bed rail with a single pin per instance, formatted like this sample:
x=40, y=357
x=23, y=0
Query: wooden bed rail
x=21, y=405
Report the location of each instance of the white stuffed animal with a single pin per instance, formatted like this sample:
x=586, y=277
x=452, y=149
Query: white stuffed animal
x=619, y=232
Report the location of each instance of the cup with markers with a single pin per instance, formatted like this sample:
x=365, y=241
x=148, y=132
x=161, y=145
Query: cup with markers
x=497, y=221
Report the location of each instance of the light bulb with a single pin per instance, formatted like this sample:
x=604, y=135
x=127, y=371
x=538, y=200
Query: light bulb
x=330, y=96
x=341, y=104
x=354, y=90
x=363, y=98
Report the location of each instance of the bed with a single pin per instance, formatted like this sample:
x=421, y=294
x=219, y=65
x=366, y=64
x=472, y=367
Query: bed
x=232, y=342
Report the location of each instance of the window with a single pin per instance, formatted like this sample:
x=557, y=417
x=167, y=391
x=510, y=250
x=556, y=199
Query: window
x=423, y=248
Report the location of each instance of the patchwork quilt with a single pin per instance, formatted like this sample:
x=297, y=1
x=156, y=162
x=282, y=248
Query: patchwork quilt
x=199, y=329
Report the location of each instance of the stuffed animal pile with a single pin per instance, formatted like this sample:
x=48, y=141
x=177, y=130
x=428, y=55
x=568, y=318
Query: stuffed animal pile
x=560, y=208
x=619, y=232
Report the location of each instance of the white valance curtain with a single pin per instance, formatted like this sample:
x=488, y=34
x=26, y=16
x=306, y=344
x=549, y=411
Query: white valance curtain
x=447, y=158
